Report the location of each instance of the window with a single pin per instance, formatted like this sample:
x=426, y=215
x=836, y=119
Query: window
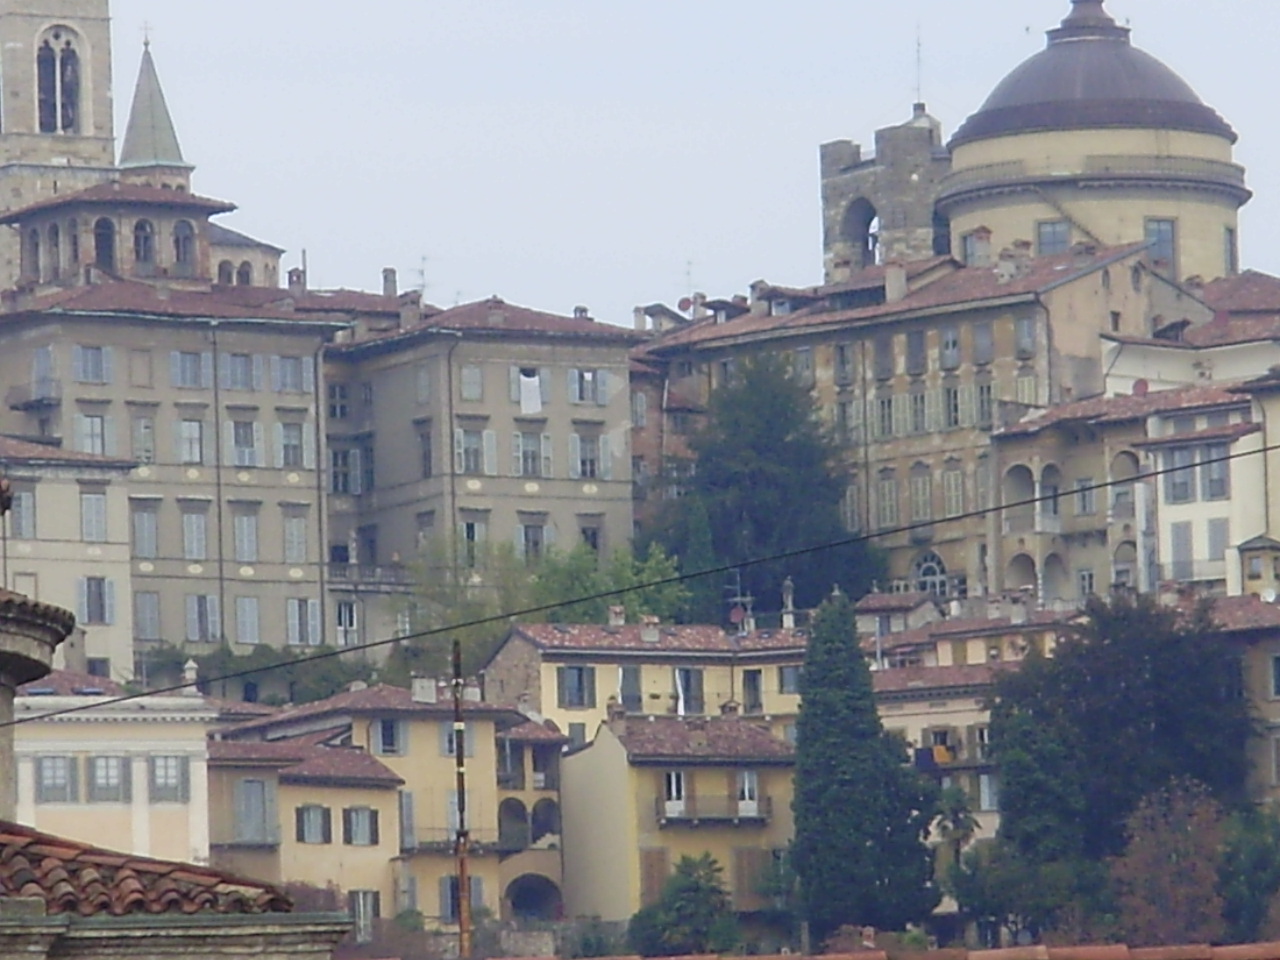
x=338, y=401
x=789, y=678
x=248, y=630
x=988, y=792
x=191, y=441
x=104, y=245
x=169, y=779
x=1026, y=389
x=203, y=616
x=109, y=780
x=1025, y=337
x=887, y=501
x=986, y=404
x=1254, y=568
x=884, y=417
x=984, y=343
x=244, y=274
x=473, y=533
x=576, y=687
x=1231, y=251
x=1052, y=236
x=917, y=360
x=143, y=436
x=57, y=780
x=951, y=407
x=364, y=906
x=146, y=531
x=884, y=360
x=472, y=452
x=90, y=364
x=1180, y=480
x=588, y=386
x=953, y=491
x=146, y=615
x=802, y=365
x=689, y=698
x=302, y=622
x=245, y=533
x=1086, y=582
x=388, y=738
x=531, y=454
x=22, y=516
x=426, y=458
x=295, y=538
x=949, y=348
x=348, y=632
x=244, y=439
x=844, y=364
x=344, y=477
x=1086, y=502
x=96, y=602
x=58, y=74
x=360, y=827
x=291, y=445
x=313, y=824
x=255, y=813
x=91, y=433
x=188, y=370
x=195, y=524
x=972, y=248
x=93, y=517
x=1216, y=472
x=472, y=383
x=144, y=246
x=449, y=897
x=531, y=541
x=588, y=457
x=290, y=374
x=592, y=536
x=1162, y=240
x=921, y=496
x=184, y=248
x=919, y=412
x=1219, y=538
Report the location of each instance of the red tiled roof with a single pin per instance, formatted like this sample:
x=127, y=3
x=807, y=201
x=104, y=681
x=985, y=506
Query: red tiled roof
x=893, y=602
x=533, y=732
x=117, y=192
x=905, y=679
x=1120, y=409
x=303, y=762
x=707, y=740
x=1225, y=330
x=968, y=286
x=954, y=628
x=1245, y=613
x=672, y=638
x=74, y=878
x=1250, y=291
x=68, y=683
x=13, y=450
x=1231, y=431
x=868, y=278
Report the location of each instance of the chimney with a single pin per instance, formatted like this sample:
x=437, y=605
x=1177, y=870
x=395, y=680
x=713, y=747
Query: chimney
x=617, y=616
x=749, y=623
x=424, y=690
x=581, y=313
x=640, y=319
x=980, y=248
x=190, y=676
x=1018, y=612
x=410, y=304
x=390, y=285
x=297, y=281
x=919, y=110
x=895, y=281
x=615, y=712
x=788, y=604
x=649, y=632
x=471, y=690
x=699, y=306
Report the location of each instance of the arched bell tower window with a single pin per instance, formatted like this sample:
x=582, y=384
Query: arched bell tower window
x=244, y=275
x=55, y=252
x=184, y=247
x=104, y=245
x=73, y=243
x=31, y=258
x=58, y=81
x=144, y=246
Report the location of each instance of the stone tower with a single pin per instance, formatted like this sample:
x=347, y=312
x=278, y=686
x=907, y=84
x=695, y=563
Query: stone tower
x=881, y=208
x=56, y=126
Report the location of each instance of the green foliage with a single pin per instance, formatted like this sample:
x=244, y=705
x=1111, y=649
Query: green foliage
x=693, y=915
x=769, y=479
x=580, y=573
x=862, y=815
x=706, y=598
x=1249, y=873
x=956, y=826
x=1141, y=696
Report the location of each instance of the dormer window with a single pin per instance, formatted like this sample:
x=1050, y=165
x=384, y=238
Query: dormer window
x=58, y=82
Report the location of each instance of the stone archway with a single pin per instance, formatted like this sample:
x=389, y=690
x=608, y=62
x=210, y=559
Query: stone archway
x=546, y=819
x=513, y=825
x=532, y=896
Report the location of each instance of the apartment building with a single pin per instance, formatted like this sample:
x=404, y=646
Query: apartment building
x=574, y=673
x=649, y=790
x=66, y=542
x=367, y=779
x=486, y=424
x=134, y=772
x=914, y=365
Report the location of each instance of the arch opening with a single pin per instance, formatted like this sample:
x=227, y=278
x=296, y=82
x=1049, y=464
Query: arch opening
x=930, y=574
x=531, y=896
x=546, y=819
x=862, y=231
x=104, y=245
x=513, y=825
x=244, y=274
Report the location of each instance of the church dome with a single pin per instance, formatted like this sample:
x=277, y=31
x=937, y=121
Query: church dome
x=1088, y=77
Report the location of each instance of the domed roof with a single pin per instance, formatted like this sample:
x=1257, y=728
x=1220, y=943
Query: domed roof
x=1091, y=76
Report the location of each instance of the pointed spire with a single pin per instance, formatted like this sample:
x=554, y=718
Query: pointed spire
x=150, y=139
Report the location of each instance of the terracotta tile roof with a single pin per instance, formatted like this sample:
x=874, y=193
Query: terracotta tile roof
x=1250, y=291
x=115, y=191
x=698, y=739
x=906, y=679
x=382, y=698
x=222, y=236
x=1245, y=613
x=892, y=602
x=277, y=752
x=231, y=711
x=1120, y=409
x=301, y=762
x=954, y=628
x=868, y=278
x=1231, y=431
x=532, y=732
x=495, y=315
x=13, y=450
x=969, y=286
x=1225, y=330
x=671, y=638
x=75, y=878
x=68, y=683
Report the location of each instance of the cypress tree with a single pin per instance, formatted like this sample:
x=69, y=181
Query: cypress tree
x=862, y=815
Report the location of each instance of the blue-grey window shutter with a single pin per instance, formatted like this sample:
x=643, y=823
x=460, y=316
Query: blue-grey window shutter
x=206, y=370
x=108, y=365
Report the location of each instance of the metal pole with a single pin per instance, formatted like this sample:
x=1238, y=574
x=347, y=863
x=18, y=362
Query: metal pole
x=462, y=842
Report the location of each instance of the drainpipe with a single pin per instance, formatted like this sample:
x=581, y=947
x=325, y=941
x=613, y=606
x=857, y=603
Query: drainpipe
x=450, y=427
x=219, y=456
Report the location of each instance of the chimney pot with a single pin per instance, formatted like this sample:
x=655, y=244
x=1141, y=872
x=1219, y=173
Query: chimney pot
x=424, y=690
x=640, y=319
x=895, y=281
x=581, y=313
x=297, y=280
x=390, y=284
x=617, y=616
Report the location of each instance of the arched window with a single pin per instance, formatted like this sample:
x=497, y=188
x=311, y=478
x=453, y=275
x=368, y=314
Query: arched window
x=226, y=273
x=862, y=231
x=58, y=82
x=144, y=246
x=104, y=245
x=184, y=248
x=31, y=267
x=73, y=242
x=55, y=252
x=244, y=275
x=930, y=574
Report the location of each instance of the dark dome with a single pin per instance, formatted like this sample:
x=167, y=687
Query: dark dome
x=1090, y=76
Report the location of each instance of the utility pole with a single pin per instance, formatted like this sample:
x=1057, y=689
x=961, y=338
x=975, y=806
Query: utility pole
x=462, y=842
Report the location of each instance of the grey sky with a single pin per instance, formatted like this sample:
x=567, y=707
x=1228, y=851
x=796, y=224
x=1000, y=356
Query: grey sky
x=563, y=152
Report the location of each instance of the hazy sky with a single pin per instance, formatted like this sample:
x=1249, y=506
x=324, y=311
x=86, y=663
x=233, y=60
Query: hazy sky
x=609, y=152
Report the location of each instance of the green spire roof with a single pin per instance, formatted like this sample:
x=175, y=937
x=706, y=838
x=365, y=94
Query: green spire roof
x=150, y=140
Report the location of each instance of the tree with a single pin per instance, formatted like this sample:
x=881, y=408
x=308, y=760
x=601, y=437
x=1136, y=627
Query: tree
x=956, y=826
x=706, y=599
x=1249, y=874
x=1139, y=696
x=1167, y=878
x=769, y=477
x=862, y=815
x=693, y=915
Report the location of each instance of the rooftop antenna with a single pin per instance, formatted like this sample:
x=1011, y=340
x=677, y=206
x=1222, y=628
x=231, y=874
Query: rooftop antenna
x=146, y=34
x=422, y=275
x=919, y=65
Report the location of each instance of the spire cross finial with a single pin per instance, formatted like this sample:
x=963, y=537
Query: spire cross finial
x=146, y=35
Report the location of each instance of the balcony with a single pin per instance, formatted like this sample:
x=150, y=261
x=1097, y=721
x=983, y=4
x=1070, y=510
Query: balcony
x=1048, y=523
x=1191, y=571
x=392, y=575
x=712, y=810
x=1122, y=510
x=41, y=394
x=1019, y=523
x=442, y=840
